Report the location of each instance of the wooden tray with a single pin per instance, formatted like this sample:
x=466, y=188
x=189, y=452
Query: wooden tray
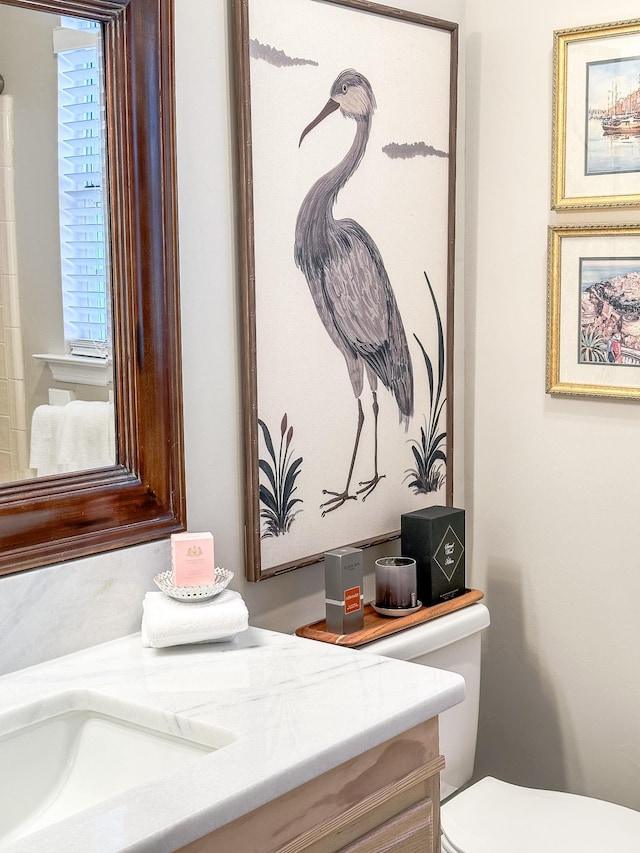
x=376, y=626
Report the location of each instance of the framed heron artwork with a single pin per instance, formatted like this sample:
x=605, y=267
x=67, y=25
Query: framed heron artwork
x=346, y=133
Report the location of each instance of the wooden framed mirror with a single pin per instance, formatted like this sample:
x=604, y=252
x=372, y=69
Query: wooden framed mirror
x=57, y=518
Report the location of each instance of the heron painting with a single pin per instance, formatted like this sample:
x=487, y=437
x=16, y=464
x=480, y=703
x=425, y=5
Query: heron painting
x=346, y=259
x=350, y=286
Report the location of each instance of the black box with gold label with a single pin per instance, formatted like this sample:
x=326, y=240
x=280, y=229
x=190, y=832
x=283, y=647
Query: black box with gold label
x=434, y=537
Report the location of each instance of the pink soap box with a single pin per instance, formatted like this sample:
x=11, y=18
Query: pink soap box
x=192, y=562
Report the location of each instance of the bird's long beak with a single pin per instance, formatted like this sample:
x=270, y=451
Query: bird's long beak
x=329, y=107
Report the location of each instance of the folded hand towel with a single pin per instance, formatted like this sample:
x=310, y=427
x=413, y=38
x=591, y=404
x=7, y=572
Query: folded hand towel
x=45, y=430
x=168, y=622
x=86, y=438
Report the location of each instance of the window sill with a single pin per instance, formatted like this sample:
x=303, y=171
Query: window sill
x=78, y=369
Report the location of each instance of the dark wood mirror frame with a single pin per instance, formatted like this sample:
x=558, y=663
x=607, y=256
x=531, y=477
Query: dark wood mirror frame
x=54, y=519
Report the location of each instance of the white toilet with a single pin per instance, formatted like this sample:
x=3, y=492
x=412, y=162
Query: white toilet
x=493, y=816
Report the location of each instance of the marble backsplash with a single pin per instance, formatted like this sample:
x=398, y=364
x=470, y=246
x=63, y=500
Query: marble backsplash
x=55, y=610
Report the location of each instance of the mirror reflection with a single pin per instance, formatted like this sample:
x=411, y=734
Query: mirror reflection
x=56, y=371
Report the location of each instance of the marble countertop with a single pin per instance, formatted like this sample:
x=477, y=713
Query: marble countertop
x=296, y=707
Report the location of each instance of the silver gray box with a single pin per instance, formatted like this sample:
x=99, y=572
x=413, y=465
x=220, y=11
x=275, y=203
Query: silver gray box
x=344, y=594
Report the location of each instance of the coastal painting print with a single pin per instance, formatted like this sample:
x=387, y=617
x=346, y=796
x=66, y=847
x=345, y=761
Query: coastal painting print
x=613, y=116
x=593, y=344
x=596, y=117
x=346, y=138
x=610, y=311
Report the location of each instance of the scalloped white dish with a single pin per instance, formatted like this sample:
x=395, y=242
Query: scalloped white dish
x=164, y=582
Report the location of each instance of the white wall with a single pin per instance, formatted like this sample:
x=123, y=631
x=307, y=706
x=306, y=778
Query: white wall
x=30, y=73
x=211, y=312
x=552, y=482
x=55, y=610
x=552, y=517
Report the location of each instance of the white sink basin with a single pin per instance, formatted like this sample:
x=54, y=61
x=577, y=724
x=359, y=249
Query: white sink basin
x=60, y=762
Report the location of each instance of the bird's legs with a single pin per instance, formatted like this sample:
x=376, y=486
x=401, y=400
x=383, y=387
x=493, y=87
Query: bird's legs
x=339, y=498
x=369, y=485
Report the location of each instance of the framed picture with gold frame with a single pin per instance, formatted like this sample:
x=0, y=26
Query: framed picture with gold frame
x=593, y=329
x=596, y=117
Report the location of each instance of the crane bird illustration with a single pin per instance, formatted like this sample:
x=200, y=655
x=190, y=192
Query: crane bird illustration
x=349, y=283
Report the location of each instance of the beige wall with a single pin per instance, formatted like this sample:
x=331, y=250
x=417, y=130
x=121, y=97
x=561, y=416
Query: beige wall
x=211, y=317
x=29, y=68
x=552, y=516
x=551, y=482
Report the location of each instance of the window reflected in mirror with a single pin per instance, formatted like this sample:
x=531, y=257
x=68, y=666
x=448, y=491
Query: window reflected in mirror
x=56, y=366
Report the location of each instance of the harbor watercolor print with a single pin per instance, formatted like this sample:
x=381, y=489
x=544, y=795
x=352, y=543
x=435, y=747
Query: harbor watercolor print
x=613, y=117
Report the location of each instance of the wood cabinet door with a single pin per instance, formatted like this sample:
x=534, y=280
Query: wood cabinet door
x=387, y=798
x=411, y=831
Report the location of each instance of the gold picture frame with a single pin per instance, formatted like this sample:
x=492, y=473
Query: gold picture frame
x=596, y=117
x=594, y=311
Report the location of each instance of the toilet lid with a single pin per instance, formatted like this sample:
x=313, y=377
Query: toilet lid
x=496, y=817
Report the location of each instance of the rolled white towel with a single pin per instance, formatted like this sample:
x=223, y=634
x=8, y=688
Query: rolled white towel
x=167, y=622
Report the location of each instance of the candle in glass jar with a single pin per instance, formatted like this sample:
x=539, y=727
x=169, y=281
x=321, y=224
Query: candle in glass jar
x=395, y=582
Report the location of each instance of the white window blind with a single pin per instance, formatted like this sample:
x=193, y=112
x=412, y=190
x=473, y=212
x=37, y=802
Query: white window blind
x=82, y=184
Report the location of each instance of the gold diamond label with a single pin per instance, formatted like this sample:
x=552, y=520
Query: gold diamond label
x=449, y=553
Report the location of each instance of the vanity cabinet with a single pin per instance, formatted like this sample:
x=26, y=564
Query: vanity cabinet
x=386, y=799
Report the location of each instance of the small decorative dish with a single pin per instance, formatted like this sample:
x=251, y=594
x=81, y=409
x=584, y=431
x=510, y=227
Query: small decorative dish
x=396, y=611
x=164, y=582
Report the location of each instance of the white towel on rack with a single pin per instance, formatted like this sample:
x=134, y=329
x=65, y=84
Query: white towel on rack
x=45, y=432
x=87, y=436
x=168, y=622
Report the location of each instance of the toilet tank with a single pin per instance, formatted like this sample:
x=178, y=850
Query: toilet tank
x=450, y=642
